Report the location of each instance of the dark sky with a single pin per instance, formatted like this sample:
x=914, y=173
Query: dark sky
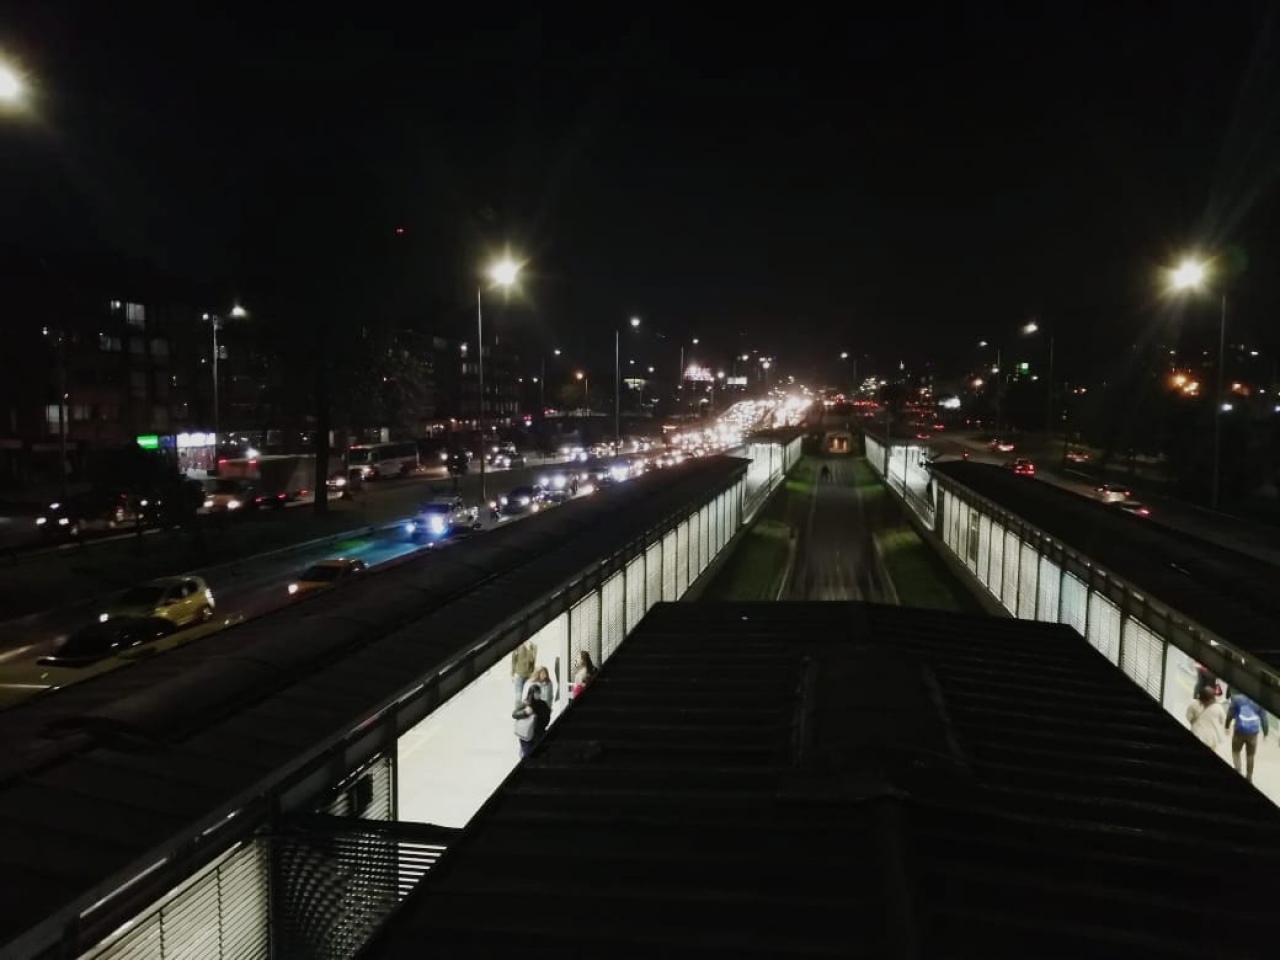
x=800, y=185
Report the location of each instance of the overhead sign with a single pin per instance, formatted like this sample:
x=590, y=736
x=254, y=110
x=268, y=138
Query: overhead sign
x=698, y=373
x=187, y=440
x=148, y=441
x=736, y=381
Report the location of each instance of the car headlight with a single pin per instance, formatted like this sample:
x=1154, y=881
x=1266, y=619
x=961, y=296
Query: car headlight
x=208, y=504
x=503, y=501
x=41, y=521
x=293, y=588
x=410, y=527
x=339, y=481
x=436, y=524
x=523, y=501
x=104, y=617
x=233, y=504
x=63, y=521
x=542, y=481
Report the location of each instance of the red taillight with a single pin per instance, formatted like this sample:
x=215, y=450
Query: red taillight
x=280, y=496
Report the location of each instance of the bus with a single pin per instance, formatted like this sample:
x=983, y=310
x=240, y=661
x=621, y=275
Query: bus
x=379, y=460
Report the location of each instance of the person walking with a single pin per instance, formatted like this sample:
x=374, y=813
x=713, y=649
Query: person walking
x=584, y=674
x=1207, y=719
x=541, y=679
x=523, y=659
x=1250, y=720
x=532, y=718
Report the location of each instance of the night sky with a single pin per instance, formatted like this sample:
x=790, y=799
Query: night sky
x=896, y=187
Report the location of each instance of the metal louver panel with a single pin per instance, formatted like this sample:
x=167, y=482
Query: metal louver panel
x=584, y=628
x=1142, y=656
x=1049, y=587
x=338, y=879
x=612, y=615
x=682, y=559
x=669, y=567
x=221, y=913
x=635, y=592
x=995, y=579
x=1104, y=626
x=1028, y=582
x=653, y=575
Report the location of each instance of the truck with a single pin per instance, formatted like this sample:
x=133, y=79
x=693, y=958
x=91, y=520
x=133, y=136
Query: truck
x=272, y=481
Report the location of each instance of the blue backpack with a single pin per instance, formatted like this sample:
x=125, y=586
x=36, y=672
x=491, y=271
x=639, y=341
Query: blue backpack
x=1247, y=719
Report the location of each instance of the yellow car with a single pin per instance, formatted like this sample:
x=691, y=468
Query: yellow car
x=100, y=648
x=325, y=575
x=183, y=600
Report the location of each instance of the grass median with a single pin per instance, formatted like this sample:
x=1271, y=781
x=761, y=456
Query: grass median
x=919, y=576
x=756, y=568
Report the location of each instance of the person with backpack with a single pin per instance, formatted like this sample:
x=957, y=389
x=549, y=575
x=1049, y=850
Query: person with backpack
x=1250, y=720
x=532, y=719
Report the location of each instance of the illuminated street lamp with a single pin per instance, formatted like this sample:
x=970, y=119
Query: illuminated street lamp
x=586, y=389
x=617, y=381
x=237, y=312
x=11, y=85
x=1191, y=275
x=503, y=274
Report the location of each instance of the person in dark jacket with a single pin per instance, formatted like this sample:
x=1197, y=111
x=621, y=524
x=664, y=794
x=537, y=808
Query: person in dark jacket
x=532, y=718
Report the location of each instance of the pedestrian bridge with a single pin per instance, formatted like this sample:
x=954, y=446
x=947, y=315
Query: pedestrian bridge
x=1155, y=602
x=277, y=790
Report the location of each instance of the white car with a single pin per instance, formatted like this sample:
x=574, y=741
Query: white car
x=1111, y=493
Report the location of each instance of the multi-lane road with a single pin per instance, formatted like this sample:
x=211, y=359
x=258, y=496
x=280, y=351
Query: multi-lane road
x=1263, y=543
x=254, y=585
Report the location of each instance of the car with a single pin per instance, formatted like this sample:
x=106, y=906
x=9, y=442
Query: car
x=325, y=575
x=1111, y=493
x=520, y=501
x=183, y=600
x=1022, y=467
x=88, y=513
x=1077, y=456
x=442, y=517
x=97, y=649
x=107, y=639
x=559, y=486
x=1002, y=446
x=1133, y=507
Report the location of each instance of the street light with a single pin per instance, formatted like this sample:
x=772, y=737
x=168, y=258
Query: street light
x=1192, y=275
x=617, y=382
x=215, y=322
x=11, y=86
x=503, y=274
x=1032, y=327
x=586, y=390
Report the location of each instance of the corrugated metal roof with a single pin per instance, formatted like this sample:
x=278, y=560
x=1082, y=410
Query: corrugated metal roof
x=831, y=779
x=1232, y=594
x=97, y=777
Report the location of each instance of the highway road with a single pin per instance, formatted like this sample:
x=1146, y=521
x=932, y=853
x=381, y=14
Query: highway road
x=242, y=590
x=1262, y=543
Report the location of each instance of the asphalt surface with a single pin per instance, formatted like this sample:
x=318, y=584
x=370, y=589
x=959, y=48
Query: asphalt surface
x=256, y=585
x=77, y=574
x=835, y=556
x=251, y=589
x=1262, y=543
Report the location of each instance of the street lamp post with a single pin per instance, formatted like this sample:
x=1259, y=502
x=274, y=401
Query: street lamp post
x=215, y=324
x=1190, y=275
x=503, y=274
x=586, y=391
x=1033, y=326
x=617, y=382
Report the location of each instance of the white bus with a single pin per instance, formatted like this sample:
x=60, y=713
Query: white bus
x=378, y=460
